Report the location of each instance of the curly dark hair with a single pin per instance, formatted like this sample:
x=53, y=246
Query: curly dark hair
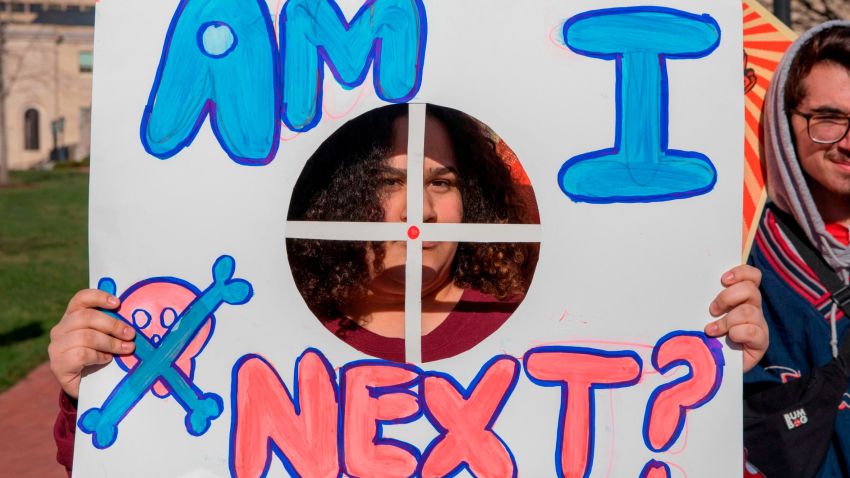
x=342, y=181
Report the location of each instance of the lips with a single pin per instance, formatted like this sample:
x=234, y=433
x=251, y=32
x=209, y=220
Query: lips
x=840, y=160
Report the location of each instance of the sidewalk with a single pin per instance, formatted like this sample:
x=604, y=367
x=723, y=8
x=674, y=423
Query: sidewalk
x=27, y=411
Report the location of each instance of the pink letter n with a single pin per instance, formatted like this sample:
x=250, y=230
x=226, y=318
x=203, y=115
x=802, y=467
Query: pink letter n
x=301, y=429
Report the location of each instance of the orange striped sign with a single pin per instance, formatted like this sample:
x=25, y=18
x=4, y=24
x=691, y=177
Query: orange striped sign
x=765, y=40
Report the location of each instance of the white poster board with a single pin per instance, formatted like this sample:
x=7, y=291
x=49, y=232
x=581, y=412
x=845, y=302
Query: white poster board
x=626, y=121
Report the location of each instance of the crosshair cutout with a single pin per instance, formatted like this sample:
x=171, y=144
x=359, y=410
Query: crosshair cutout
x=414, y=232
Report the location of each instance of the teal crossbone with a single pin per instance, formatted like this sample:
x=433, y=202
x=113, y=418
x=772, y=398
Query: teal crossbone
x=158, y=362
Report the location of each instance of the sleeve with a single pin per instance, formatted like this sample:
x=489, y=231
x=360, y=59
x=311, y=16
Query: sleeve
x=64, y=429
x=765, y=374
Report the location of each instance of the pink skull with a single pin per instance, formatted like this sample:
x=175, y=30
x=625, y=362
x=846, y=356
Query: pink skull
x=152, y=307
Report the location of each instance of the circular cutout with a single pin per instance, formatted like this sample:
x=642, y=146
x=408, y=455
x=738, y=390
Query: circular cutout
x=470, y=283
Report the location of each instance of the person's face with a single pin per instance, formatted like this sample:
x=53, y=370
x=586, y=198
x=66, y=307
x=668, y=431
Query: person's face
x=441, y=203
x=827, y=88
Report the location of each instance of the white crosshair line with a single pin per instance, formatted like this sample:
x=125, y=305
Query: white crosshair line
x=397, y=231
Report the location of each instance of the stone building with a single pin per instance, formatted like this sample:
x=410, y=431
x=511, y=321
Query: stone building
x=47, y=78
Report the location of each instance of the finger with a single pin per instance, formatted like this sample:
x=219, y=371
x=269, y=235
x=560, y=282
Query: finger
x=68, y=364
x=92, y=298
x=87, y=357
x=717, y=328
x=735, y=295
x=751, y=359
x=97, y=341
x=741, y=273
x=745, y=325
x=753, y=338
x=69, y=378
x=99, y=321
x=750, y=336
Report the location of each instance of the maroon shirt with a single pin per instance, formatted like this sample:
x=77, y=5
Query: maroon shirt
x=473, y=319
x=63, y=431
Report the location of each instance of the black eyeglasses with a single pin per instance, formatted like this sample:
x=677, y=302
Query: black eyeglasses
x=825, y=128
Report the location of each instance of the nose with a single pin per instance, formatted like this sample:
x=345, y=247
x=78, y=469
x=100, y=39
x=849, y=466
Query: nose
x=429, y=213
x=844, y=142
x=403, y=210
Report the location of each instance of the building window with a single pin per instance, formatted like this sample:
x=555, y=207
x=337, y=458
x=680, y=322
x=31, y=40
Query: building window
x=36, y=8
x=31, y=141
x=86, y=62
x=19, y=7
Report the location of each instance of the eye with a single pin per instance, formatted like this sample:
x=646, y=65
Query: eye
x=167, y=317
x=830, y=119
x=392, y=182
x=141, y=318
x=443, y=183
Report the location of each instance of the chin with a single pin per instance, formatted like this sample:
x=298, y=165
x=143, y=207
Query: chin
x=429, y=278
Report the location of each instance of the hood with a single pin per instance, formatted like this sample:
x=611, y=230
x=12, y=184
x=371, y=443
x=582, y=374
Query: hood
x=786, y=183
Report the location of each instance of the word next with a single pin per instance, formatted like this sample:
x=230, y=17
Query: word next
x=326, y=427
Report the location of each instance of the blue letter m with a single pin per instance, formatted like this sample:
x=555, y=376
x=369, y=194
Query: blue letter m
x=315, y=32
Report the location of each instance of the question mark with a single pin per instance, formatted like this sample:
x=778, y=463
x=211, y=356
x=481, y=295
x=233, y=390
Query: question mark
x=655, y=469
x=668, y=406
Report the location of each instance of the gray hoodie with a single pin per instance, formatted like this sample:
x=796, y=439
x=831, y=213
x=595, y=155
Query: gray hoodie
x=786, y=184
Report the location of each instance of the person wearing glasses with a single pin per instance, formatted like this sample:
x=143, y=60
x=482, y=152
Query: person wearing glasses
x=807, y=160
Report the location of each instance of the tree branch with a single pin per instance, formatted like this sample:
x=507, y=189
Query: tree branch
x=826, y=12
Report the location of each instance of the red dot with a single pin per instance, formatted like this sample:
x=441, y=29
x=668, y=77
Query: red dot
x=413, y=232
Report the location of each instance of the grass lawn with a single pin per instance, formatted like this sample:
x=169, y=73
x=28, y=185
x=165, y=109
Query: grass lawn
x=43, y=261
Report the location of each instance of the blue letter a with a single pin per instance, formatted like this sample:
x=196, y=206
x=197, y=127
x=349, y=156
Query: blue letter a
x=313, y=32
x=220, y=59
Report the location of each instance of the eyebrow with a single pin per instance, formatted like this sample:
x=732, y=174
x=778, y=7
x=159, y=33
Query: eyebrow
x=442, y=170
x=828, y=110
x=402, y=172
x=394, y=172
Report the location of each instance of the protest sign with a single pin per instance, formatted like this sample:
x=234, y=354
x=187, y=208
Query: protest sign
x=555, y=265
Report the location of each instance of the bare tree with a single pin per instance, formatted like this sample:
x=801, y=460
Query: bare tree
x=823, y=10
x=807, y=13
x=4, y=140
